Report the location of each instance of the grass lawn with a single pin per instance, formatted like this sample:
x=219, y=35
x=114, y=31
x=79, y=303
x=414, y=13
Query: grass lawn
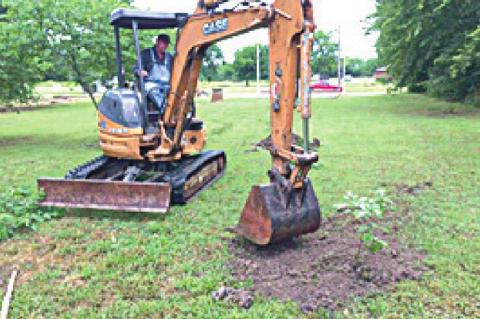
x=48, y=89
x=114, y=265
x=365, y=86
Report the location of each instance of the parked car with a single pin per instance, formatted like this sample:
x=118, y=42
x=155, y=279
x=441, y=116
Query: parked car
x=324, y=86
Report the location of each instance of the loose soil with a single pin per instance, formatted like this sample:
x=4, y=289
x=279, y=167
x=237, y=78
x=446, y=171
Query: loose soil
x=415, y=190
x=330, y=267
x=4, y=277
x=267, y=144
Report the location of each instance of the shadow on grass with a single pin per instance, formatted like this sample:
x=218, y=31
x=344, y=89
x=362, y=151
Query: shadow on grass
x=436, y=108
x=452, y=112
x=48, y=141
x=37, y=108
x=8, y=141
x=119, y=216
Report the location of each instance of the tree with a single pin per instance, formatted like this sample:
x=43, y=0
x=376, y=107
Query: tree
x=324, y=54
x=79, y=33
x=369, y=67
x=76, y=34
x=431, y=46
x=456, y=72
x=245, y=65
x=361, y=67
x=20, y=64
x=212, y=61
x=226, y=72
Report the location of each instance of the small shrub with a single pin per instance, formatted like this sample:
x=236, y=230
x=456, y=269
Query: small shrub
x=19, y=210
x=366, y=209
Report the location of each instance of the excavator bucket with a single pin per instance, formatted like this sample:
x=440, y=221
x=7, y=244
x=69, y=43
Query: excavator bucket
x=272, y=214
x=107, y=195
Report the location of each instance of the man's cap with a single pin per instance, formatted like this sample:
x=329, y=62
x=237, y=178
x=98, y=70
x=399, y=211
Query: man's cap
x=164, y=38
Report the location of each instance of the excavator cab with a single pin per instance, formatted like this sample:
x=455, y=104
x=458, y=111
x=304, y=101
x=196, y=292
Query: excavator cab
x=128, y=121
x=135, y=107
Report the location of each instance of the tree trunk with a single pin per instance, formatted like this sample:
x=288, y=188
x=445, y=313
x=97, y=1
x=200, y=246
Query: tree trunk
x=87, y=89
x=79, y=77
x=78, y=74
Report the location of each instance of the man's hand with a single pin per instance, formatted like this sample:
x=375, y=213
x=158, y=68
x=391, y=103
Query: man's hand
x=142, y=73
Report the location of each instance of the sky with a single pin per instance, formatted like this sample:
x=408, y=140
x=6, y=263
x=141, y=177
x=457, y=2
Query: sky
x=349, y=15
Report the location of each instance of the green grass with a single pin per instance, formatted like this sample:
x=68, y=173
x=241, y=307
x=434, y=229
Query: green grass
x=167, y=266
x=364, y=86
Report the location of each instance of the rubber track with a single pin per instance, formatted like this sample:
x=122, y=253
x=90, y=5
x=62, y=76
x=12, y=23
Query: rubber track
x=82, y=171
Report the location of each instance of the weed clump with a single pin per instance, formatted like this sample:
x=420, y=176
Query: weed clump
x=366, y=210
x=19, y=211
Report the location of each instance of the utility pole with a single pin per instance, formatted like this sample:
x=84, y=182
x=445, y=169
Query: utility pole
x=258, y=68
x=339, y=60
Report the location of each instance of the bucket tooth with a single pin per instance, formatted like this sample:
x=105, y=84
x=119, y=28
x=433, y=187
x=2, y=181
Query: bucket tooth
x=270, y=215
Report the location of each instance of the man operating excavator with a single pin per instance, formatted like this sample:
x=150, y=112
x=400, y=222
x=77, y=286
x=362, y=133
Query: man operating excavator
x=156, y=70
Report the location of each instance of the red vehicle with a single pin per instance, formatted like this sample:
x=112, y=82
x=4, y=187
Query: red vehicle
x=324, y=86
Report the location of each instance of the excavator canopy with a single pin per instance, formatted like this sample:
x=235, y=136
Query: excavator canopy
x=123, y=18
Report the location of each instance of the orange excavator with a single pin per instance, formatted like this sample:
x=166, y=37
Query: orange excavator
x=152, y=160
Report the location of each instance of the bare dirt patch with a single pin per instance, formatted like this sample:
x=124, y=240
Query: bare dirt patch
x=41, y=253
x=266, y=143
x=447, y=113
x=415, y=190
x=330, y=267
x=15, y=140
x=4, y=276
x=58, y=99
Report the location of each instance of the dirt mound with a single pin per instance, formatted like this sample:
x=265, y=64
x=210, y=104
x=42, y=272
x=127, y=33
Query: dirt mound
x=327, y=268
x=267, y=144
x=414, y=190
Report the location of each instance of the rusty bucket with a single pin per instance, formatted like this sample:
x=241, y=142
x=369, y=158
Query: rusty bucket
x=274, y=213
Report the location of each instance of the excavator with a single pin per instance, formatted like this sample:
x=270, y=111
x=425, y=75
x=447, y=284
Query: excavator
x=151, y=160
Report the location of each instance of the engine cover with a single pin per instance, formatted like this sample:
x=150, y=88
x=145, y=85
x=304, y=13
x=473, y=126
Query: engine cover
x=121, y=106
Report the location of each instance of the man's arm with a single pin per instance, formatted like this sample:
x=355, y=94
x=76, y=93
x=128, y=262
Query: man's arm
x=145, y=55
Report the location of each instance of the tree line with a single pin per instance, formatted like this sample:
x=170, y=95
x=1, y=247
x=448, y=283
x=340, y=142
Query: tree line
x=431, y=46
x=244, y=68
x=50, y=39
x=73, y=40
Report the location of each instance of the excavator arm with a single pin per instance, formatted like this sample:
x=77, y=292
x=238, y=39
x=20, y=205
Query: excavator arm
x=291, y=27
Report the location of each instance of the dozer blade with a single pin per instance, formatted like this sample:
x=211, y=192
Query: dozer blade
x=271, y=215
x=106, y=195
